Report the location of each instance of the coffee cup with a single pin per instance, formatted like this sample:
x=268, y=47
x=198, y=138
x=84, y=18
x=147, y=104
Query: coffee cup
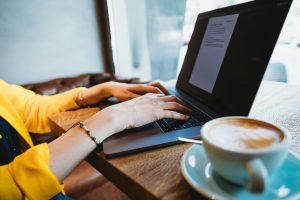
x=245, y=151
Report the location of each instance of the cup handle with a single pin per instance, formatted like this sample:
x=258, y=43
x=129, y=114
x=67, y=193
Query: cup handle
x=258, y=175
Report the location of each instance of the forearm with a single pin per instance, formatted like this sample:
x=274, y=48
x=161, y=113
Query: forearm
x=68, y=150
x=71, y=148
x=94, y=94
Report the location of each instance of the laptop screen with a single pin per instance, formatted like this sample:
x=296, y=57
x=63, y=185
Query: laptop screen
x=212, y=51
x=228, y=54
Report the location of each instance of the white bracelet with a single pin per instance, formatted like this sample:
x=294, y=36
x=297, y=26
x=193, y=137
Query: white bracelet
x=88, y=132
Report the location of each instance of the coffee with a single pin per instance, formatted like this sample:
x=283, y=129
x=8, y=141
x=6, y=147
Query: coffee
x=245, y=151
x=244, y=134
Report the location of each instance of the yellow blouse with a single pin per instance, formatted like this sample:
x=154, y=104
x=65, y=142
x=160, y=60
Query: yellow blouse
x=28, y=175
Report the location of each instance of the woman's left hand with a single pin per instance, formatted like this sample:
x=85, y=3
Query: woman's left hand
x=122, y=91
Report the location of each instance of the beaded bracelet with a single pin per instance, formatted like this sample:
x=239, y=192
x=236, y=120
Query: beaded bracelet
x=88, y=132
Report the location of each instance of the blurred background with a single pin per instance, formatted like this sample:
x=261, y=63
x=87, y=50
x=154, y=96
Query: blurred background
x=150, y=38
x=42, y=40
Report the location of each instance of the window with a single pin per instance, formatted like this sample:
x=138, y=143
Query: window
x=287, y=50
x=150, y=38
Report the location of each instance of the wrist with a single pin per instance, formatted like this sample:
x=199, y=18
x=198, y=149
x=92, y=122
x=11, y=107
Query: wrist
x=103, y=124
x=81, y=98
x=93, y=95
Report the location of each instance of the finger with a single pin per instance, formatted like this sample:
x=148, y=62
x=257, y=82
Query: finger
x=132, y=95
x=155, y=95
x=143, y=89
x=171, y=98
x=173, y=115
x=127, y=96
x=160, y=86
x=176, y=106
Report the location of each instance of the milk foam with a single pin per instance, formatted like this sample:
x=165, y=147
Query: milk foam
x=243, y=135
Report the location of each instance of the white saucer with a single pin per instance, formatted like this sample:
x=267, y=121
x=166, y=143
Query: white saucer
x=199, y=174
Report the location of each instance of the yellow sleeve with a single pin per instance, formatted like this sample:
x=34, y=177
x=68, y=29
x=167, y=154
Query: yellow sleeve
x=29, y=175
x=34, y=109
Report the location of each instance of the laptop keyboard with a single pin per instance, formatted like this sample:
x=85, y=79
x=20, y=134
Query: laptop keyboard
x=168, y=125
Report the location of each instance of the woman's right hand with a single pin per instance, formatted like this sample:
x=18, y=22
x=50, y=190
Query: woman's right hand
x=69, y=149
x=143, y=110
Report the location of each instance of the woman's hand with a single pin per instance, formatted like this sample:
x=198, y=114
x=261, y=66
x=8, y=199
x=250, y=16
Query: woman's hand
x=141, y=111
x=122, y=91
x=71, y=148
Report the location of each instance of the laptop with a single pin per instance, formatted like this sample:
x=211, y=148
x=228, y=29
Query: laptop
x=224, y=65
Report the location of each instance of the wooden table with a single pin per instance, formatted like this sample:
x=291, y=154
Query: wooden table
x=156, y=174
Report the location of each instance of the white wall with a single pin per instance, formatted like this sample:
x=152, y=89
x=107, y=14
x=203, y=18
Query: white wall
x=45, y=39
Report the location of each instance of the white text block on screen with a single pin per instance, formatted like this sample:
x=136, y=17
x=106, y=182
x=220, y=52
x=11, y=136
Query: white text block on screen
x=212, y=51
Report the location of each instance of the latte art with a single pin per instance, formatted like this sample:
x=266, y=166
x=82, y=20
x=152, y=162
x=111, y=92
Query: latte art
x=244, y=135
